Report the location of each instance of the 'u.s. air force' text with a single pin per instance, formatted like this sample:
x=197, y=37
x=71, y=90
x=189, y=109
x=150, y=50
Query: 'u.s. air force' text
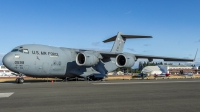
x=45, y=53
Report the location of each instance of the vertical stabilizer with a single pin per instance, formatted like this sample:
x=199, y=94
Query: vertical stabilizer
x=119, y=43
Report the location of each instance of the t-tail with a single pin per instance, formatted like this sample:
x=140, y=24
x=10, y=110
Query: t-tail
x=120, y=40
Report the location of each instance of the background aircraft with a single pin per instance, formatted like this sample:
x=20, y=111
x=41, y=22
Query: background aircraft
x=46, y=61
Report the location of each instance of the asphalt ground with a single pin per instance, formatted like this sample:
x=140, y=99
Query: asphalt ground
x=174, y=95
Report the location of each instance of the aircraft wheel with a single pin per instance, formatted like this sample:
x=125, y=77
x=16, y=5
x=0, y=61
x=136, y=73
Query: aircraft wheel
x=21, y=80
x=17, y=80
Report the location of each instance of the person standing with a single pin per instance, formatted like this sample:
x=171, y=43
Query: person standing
x=142, y=75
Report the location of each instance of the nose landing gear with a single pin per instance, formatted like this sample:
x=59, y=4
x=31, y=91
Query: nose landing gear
x=19, y=79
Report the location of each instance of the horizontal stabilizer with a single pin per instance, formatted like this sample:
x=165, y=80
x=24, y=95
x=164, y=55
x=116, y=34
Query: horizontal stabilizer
x=126, y=37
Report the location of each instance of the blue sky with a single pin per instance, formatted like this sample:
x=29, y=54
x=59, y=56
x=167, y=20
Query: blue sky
x=174, y=25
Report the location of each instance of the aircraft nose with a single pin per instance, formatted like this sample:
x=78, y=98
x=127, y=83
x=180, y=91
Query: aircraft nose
x=7, y=60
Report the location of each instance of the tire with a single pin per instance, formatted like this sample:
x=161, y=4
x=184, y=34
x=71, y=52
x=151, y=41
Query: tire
x=21, y=80
x=17, y=80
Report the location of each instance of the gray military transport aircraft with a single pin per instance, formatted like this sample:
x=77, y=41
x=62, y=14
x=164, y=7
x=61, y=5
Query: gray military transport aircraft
x=58, y=62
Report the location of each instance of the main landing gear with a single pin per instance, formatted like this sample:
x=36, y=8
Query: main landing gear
x=93, y=78
x=19, y=79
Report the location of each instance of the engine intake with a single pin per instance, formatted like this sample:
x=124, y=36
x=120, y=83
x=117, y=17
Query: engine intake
x=87, y=59
x=125, y=60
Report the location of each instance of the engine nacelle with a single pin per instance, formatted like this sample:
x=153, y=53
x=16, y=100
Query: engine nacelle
x=125, y=60
x=87, y=59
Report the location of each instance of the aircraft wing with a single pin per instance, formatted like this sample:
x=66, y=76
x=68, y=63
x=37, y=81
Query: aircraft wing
x=150, y=58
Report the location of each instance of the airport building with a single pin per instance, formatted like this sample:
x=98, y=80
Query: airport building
x=3, y=69
x=169, y=69
x=176, y=69
x=4, y=72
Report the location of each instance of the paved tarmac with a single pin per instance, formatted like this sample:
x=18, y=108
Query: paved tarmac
x=174, y=95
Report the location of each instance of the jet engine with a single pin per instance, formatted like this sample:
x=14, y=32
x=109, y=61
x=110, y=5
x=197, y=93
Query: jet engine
x=87, y=58
x=125, y=60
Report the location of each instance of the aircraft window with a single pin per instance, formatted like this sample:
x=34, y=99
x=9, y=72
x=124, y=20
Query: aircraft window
x=14, y=50
x=25, y=51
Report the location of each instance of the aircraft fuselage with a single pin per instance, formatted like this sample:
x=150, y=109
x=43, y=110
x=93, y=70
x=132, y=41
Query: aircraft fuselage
x=47, y=61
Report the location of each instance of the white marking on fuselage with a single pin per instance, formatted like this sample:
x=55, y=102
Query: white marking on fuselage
x=113, y=83
x=3, y=95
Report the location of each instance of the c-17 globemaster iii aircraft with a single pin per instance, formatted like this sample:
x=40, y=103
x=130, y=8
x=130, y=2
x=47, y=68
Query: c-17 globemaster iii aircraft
x=58, y=62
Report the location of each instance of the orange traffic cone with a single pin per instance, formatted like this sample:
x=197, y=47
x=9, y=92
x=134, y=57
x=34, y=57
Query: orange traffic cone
x=52, y=81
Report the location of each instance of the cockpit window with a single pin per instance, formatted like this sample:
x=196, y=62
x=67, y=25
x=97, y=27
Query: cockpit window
x=21, y=50
x=14, y=50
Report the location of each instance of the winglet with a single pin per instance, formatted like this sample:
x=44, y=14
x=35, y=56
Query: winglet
x=195, y=55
